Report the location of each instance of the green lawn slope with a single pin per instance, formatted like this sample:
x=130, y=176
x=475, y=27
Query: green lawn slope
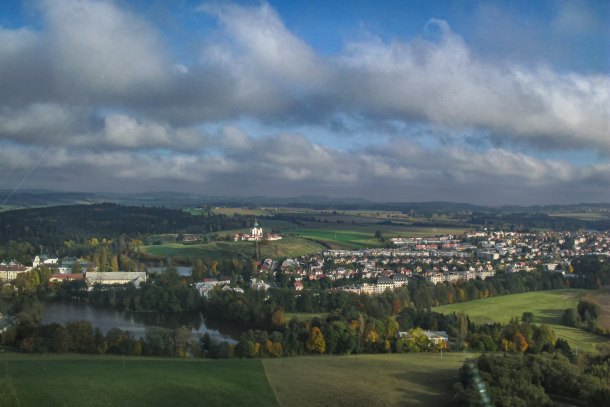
x=547, y=307
x=287, y=247
x=82, y=380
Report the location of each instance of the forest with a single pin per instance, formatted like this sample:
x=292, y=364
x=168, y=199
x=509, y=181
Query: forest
x=51, y=227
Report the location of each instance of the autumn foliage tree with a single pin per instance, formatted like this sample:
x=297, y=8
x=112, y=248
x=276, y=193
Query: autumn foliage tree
x=316, y=342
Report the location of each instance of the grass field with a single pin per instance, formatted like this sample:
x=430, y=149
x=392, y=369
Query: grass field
x=358, y=236
x=287, y=247
x=80, y=380
x=547, y=307
x=423, y=379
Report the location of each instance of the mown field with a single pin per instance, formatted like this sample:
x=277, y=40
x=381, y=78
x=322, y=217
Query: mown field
x=287, y=247
x=362, y=380
x=80, y=380
x=424, y=379
x=547, y=307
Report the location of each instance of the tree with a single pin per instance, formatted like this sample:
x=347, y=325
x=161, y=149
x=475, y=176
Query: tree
x=417, y=341
x=182, y=339
x=520, y=342
x=570, y=317
x=81, y=336
x=278, y=318
x=316, y=342
x=77, y=268
x=527, y=317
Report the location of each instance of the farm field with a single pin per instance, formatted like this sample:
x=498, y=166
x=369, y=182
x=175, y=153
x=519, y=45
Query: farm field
x=586, y=216
x=73, y=380
x=287, y=247
x=358, y=236
x=335, y=229
x=423, y=379
x=547, y=307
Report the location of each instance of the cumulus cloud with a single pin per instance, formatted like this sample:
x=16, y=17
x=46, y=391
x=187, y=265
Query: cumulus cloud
x=97, y=92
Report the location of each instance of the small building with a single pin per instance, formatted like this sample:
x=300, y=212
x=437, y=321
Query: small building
x=115, y=278
x=437, y=337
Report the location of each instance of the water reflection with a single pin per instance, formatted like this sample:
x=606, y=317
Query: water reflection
x=135, y=322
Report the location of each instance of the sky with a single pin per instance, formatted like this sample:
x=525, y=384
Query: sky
x=484, y=102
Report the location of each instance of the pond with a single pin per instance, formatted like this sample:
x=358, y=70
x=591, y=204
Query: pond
x=135, y=322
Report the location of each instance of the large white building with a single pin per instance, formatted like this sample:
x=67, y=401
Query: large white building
x=256, y=234
x=115, y=278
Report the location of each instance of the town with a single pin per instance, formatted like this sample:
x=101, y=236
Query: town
x=446, y=258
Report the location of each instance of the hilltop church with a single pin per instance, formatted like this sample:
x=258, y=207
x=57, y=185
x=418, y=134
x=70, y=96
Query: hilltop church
x=256, y=234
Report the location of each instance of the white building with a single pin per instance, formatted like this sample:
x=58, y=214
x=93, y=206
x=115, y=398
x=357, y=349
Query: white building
x=115, y=278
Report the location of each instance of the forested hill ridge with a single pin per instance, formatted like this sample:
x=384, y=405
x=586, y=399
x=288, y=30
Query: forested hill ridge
x=52, y=226
x=39, y=198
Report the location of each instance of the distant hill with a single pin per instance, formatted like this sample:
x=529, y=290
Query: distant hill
x=170, y=199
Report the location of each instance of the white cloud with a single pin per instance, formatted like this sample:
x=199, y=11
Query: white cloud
x=97, y=88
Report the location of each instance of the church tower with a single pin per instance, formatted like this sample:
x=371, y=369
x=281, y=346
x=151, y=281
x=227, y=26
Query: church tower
x=257, y=231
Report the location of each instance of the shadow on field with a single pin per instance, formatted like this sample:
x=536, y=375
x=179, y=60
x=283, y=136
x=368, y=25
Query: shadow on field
x=548, y=316
x=423, y=388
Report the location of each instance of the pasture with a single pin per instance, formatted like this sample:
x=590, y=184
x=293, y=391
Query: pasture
x=73, y=380
x=421, y=379
x=547, y=307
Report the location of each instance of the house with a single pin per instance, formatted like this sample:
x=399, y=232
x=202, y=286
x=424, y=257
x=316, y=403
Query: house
x=384, y=283
x=257, y=284
x=115, y=278
x=437, y=337
x=9, y=271
x=399, y=280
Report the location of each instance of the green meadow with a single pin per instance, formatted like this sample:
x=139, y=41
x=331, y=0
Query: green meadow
x=81, y=380
x=358, y=380
x=547, y=307
x=287, y=247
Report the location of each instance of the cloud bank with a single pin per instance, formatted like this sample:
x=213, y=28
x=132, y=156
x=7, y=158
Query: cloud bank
x=97, y=96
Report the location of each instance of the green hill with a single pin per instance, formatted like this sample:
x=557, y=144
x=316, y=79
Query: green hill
x=547, y=307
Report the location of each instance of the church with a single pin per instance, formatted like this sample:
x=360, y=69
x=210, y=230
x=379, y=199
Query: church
x=256, y=234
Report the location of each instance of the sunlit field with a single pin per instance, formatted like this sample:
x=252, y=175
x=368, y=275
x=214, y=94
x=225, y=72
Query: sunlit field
x=81, y=380
x=547, y=307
